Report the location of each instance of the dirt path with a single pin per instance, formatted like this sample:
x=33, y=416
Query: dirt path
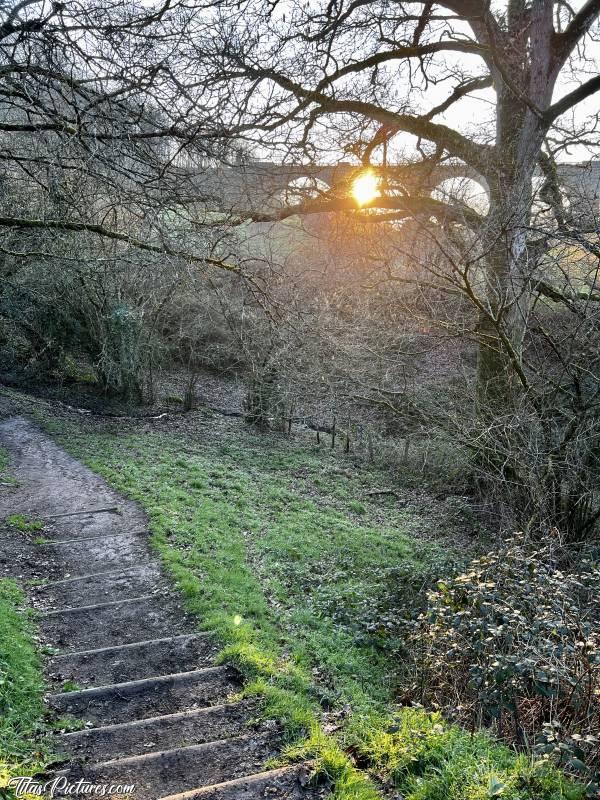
x=157, y=711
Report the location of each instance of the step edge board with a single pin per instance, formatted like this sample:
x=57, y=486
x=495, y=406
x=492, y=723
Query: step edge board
x=96, y=606
x=175, y=677
x=157, y=754
x=91, y=538
x=146, y=720
x=89, y=576
x=132, y=645
x=190, y=794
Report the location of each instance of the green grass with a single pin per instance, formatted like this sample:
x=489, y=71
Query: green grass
x=280, y=550
x=3, y=461
x=23, y=749
x=428, y=759
x=6, y=478
x=267, y=559
x=70, y=686
x=23, y=524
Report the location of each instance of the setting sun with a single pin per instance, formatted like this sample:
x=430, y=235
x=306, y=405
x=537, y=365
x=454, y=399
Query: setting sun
x=365, y=188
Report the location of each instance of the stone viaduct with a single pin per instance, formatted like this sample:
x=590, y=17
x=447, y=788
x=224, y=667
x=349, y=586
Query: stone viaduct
x=262, y=185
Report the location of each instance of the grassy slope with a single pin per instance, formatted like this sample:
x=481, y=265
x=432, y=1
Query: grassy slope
x=277, y=549
x=22, y=749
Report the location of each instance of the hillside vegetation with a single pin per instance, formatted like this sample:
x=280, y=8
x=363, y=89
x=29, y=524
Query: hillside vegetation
x=309, y=581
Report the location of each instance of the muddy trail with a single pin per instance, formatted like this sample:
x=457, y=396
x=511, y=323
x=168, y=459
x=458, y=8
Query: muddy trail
x=153, y=708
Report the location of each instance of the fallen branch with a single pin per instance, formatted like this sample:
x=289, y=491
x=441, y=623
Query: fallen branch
x=76, y=540
x=111, y=415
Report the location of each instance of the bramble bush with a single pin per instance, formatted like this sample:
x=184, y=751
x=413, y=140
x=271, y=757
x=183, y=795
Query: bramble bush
x=513, y=644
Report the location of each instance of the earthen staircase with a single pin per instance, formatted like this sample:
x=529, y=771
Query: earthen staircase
x=154, y=708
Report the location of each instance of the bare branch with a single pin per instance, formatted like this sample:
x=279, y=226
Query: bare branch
x=479, y=156
x=100, y=230
x=565, y=42
x=567, y=102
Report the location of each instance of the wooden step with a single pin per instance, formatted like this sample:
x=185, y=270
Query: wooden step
x=82, y=552
x=100, y=587
x=112, y=623
x=80, y=561
x=151, y=697
x=158, y=733
x=130, y=662
x=286, y=782
x=183, y=768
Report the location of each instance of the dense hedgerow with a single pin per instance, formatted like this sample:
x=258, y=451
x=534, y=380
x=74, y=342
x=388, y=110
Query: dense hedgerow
x=513, y=644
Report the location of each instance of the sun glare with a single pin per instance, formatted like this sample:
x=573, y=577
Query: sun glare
x=365, y=188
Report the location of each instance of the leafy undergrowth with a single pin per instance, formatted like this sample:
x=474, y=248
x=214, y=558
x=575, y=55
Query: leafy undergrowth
x=302, y=574
x=22, y=747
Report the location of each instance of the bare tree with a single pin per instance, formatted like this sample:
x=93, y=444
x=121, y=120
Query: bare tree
x=98, y=108
x=358, y=78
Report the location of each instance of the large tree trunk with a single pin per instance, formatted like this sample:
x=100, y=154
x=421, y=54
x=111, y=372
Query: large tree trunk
x=520, y=131
x=503, y=319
